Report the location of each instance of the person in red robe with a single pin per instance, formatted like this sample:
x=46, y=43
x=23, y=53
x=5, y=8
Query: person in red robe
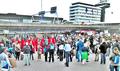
x=36, y=43
x=42, y=43
x=53, y=40
x=49, y=40
x=28, y=41
x=22, y=43
x=33, y=43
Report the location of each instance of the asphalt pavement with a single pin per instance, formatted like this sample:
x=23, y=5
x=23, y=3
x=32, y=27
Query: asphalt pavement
x=41, y=65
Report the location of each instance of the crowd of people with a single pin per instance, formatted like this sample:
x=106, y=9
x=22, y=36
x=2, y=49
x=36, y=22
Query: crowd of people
x=67, y=46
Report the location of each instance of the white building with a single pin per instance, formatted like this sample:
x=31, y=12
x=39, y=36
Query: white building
x=82, y=12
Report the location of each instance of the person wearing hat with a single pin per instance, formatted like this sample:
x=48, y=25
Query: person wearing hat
x=4, y=61
x=26, y=51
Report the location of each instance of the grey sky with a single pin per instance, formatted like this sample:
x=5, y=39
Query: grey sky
x=30, y=7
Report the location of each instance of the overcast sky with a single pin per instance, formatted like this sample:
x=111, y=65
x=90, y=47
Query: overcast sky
x=30, y=7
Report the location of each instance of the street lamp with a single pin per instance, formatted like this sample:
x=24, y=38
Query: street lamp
x=41, y=5
x=53, y=10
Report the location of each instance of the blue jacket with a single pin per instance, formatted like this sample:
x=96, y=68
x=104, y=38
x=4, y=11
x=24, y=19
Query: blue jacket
x=80, y=45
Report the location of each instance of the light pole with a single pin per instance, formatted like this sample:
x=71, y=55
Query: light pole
x=41, y=5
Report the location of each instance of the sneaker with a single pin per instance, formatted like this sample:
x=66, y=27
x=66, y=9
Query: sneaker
x=25, y=65
x=66, y=64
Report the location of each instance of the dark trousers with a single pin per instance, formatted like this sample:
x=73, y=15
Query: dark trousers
x=51, y=55
x=46, y=56
x=103, y=58
x=67, y=55
x=31, y=56
x=70, y=57
x=61, y=55
x=96, y=57
x=114, y=68
x=39, y=56
x=17, y=55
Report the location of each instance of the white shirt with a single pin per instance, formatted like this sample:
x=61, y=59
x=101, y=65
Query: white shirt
x=61, y=47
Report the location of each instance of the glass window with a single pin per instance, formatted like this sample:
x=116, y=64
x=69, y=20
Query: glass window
x=9, y=20
x=27, y=21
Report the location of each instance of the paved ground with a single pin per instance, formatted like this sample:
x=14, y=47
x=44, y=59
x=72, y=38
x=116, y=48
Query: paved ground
x=40, y=65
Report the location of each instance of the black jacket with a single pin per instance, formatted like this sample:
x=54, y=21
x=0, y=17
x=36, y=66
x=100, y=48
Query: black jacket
x=103, y=48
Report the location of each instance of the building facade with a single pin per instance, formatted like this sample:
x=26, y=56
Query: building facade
x=26, y=19
x=82, y=12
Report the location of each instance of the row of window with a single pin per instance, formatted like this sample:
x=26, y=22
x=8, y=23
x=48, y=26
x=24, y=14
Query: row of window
x=85, y=16
x=84, y=20
x=90, y=10
x=84, y=12
x=79, y=10
x=85, y=8
x=87, y=19
x=24, y=20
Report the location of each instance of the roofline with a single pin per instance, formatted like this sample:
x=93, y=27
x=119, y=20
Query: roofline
x=15, y=14
x=82, y=3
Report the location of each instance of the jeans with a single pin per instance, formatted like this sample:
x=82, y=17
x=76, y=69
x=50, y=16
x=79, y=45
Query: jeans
x=46, y=56
x=51, y=55
x=31, y=56
x=67, y=56
x=61, y=55
x=27, y=59
x=17, y=55
x=103, y=58
x=112, y=68
x=79, y=56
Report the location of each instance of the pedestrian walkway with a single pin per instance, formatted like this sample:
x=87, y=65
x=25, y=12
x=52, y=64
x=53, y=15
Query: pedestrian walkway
x=40, y=65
